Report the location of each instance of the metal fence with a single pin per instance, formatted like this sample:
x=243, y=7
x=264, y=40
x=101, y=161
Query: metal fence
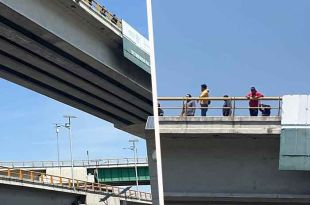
x=237, y=103
x=76, y=163
x=32, y=177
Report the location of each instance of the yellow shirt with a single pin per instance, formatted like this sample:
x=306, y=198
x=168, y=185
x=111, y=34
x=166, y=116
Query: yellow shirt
x=204, y=94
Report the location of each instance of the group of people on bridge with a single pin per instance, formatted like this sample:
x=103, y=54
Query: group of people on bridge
x=189, y=106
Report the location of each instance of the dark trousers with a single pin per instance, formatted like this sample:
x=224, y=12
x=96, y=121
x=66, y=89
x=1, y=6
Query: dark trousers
x=204, y=109
x=226, y=112
x=253, y=111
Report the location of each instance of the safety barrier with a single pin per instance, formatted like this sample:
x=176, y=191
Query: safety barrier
x=234, y=106
x=76, y=163
x=33, y=177
x=103, y=12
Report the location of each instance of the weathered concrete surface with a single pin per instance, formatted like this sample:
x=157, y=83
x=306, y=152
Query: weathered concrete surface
x=16, y=192
x=226, y=160
x=20, y=195
x=79, y=173
x=65, y=51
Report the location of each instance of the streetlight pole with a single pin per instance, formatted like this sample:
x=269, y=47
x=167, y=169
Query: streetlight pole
x=68, y=126
x=133, y=147
x=87, y=156
x=57, y=126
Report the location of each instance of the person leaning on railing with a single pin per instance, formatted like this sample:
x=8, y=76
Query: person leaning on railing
x=189, y=107
x=253, y=97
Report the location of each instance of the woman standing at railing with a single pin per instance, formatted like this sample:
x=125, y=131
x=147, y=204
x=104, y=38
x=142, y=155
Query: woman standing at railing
x=189, y=107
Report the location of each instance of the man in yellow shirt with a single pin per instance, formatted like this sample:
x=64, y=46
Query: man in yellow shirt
x=204, y=103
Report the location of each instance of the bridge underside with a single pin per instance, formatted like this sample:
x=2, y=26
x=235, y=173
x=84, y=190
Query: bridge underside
x=64, y=52
x=204, y=164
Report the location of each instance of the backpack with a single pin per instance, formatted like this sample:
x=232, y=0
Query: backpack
x=265, y=109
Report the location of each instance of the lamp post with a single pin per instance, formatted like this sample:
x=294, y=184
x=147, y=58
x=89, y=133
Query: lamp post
x=57, y=126
x=133, y=148
x=68, y=126
x=87, y=156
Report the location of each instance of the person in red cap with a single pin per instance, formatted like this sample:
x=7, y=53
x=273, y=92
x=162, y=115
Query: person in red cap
x=253, y=97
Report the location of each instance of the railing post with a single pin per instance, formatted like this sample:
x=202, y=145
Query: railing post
x=234, y=106
x=31, y=176
x=51, y=180
x=9, y=172
x=77, y=184
x=41, y=178
x=21, y=174
x=279, y=108
x=60, y=181
x=185, y=106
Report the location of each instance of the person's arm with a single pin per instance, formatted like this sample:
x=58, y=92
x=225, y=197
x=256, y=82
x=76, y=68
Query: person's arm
x=193, y=105
x=258, y=95
x=248, y=96
x=183, y=109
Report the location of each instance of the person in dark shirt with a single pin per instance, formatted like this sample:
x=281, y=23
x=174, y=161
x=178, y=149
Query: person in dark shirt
x=226, y=106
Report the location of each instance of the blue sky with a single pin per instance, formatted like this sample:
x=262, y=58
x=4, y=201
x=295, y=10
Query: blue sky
x=27, y=132
x=232, y=45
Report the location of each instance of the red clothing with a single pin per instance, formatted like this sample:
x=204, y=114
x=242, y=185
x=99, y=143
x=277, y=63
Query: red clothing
x=253, y=102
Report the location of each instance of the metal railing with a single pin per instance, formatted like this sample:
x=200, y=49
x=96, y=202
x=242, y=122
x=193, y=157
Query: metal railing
x=103, y=12
x=214, y=106
x=32, y=177
x=76, y=163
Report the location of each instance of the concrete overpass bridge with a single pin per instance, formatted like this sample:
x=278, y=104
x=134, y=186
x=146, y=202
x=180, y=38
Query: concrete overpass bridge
x=235, y=159
x=20, y=186
x=78, y=53
x=116, y=172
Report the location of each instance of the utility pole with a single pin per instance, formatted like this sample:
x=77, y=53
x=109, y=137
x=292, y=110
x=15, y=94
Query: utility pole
x=134, y=148
x=68, y=126
x=57, y=126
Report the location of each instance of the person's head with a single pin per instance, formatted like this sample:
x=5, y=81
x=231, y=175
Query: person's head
x=188, y=96
x=225, y=96
x=158, y=105
x=203, y=87
x=253, y=90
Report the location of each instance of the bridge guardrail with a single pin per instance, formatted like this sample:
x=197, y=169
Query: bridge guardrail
x=234, y=106
x=76, y=163
x=103, y=12
x=67, y=183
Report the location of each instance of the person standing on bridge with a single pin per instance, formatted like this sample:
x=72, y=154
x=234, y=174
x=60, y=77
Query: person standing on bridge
x=160, y=111
x=204, y=102
x=189, y=107
x=253, y=97
x=227, y=106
